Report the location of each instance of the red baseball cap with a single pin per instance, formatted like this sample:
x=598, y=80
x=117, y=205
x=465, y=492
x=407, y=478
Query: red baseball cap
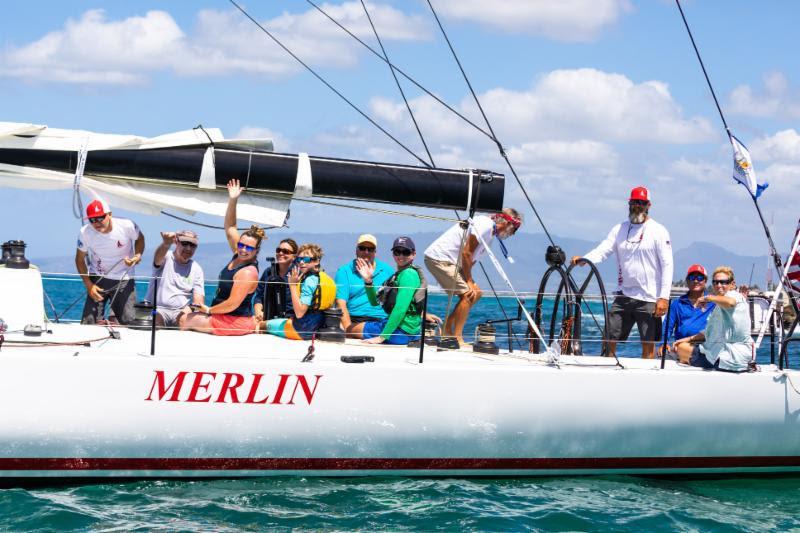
x=697, y=268
x=640, y=193
x=97, y=208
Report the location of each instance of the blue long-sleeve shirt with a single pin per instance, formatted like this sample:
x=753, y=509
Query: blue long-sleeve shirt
x=684, y=319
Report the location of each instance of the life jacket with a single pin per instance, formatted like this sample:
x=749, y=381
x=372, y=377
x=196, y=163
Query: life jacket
x=387, y=295
x=324, y=294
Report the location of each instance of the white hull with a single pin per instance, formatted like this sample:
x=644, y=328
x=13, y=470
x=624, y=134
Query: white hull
x=101, y=411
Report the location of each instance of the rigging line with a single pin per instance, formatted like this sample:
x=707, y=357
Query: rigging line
x=702, y=66
x=329, y=86
x=210, y=226
x=500, y=147
x=397, y=82
x=494, y=138
x=400, y=71
x=427, y=150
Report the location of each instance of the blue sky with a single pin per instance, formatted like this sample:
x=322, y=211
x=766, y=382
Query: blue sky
x=590, y=97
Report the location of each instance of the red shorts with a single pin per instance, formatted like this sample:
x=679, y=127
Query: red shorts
x=232, y=325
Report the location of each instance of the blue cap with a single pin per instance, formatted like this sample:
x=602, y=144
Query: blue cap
x=404, y=242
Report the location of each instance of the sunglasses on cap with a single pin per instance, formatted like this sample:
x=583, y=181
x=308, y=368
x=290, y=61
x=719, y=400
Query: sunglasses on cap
x=366, y=248
x=695, y=277
x=721, y=281
x=188, y=244
x=405, y=252
x=285, y=251
x=97, y=220
x=245, y=247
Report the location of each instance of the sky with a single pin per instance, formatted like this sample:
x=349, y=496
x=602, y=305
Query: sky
x=589, y=97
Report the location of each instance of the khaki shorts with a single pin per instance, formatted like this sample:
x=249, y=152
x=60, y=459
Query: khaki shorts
x=445, y=273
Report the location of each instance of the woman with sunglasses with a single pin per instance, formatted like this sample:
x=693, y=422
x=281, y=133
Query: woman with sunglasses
x=400, y=297
x=231, y=311
x=305, y=319
x=725, y=344
x=685, y=318
x=272, y=298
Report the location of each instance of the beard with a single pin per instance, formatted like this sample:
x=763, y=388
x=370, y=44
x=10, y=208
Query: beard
x=637, y=214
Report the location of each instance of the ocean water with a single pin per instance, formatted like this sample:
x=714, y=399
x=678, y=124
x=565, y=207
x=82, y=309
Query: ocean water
x=620, y=503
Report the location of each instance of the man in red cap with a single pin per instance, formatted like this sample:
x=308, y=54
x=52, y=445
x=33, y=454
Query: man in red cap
x=644, y=266
x=112, y=246
x=686, y=317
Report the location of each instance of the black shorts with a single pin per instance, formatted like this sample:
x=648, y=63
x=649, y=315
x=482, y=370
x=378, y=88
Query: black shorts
x=699, y=360
x=360, y=319
x=625, y=312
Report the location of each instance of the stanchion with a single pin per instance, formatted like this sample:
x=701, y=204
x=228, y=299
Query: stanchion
x=422, y=326
x=153, y=313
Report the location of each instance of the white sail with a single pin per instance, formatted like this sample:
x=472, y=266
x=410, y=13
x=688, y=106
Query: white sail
x=149, y=196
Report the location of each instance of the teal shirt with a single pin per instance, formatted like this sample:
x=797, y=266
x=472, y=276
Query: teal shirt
x=350, y=287
x=407, y=282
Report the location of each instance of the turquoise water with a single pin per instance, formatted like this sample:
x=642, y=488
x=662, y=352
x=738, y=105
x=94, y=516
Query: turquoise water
x=619, y=503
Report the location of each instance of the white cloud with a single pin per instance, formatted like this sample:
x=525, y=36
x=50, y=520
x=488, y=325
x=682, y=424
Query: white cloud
x=280, y=143
x=775, y=100
x=95, y=50
x=565, y=105
x=563, y=20
x=784, y=146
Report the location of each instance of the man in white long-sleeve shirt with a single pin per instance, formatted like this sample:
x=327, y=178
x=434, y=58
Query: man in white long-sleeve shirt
x=644, y=274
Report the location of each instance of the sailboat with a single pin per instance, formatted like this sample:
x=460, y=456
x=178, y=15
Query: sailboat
x=92, y=401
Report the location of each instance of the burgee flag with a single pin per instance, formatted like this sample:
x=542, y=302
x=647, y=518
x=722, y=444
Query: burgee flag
x=743, y=171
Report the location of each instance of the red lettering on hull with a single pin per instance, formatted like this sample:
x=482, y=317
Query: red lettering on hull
x=224, y=387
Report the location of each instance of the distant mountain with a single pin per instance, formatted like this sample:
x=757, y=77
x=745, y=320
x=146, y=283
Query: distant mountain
x=527, y=250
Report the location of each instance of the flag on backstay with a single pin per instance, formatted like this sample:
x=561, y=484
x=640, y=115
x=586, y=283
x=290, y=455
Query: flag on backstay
x=793, y=268
x=743, y=171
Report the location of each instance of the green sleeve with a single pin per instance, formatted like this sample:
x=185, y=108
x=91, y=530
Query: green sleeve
x=372, y=294
x=408, y=281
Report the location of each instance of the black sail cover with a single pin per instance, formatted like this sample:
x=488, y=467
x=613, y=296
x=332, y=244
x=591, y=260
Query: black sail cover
x=276, y=173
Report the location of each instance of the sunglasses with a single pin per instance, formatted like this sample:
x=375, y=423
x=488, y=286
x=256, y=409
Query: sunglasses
x=97, y=220
x=245, y=247
x=638, y=202
x=285, y=251
x=402, y=251
x=187, y=244
x=721, y=281
x=695, y=278
x=366, y=248
x=304, y=259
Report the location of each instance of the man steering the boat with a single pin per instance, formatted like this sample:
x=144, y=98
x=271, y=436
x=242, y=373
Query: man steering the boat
x=644, y=265
x=450, y=259
x=113, y=246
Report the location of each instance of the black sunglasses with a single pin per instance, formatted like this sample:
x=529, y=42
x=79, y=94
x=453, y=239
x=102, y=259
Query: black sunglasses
x=695, y=278
x=287, y=251
x=405, y=252
x=95, y=220
x=721, y=281
x=366, y=248
x=638, y=202
x=187, y=244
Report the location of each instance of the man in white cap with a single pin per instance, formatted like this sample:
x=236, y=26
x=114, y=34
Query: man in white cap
x=351, y=296
x=644, y=265
x=180, y=279
x=112, y=246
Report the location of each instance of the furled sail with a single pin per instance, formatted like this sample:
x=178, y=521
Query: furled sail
x=188, y=170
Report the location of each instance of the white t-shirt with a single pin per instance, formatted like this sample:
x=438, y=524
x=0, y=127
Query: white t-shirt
x=177, y=283
x=106, y=250
x=448, y=246
x=644, y=259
